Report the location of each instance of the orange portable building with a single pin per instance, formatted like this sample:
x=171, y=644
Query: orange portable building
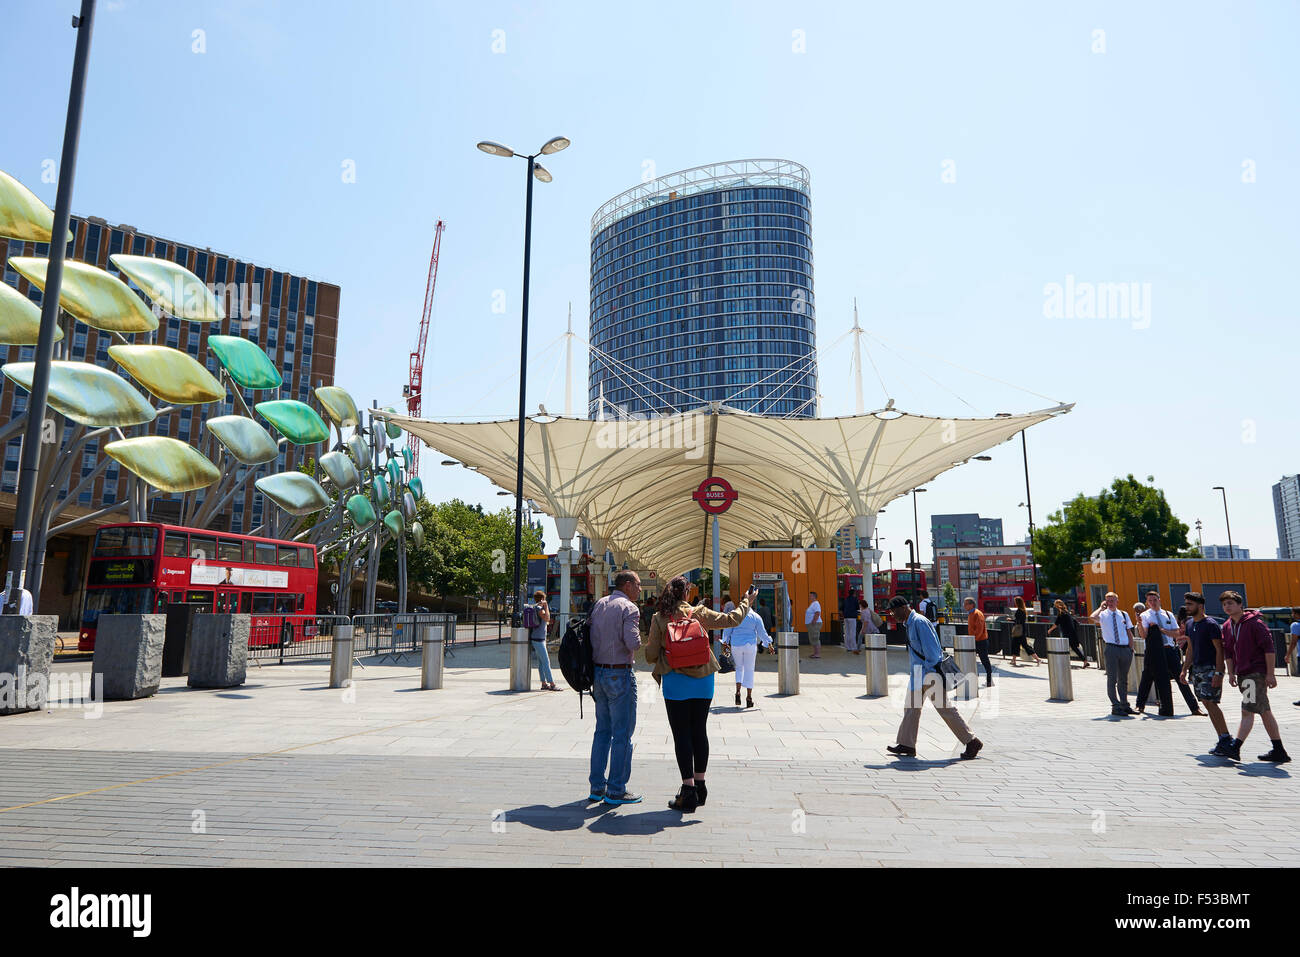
x=1262, y=582
x=804, y=570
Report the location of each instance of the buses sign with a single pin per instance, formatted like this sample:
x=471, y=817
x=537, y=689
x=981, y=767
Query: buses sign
x=715, y=495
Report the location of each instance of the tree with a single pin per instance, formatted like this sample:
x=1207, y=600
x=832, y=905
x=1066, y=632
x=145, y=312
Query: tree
x=949, y=597
x=1127, y=518
x=706, y=583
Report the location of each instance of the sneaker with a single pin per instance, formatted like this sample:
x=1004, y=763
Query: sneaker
x=627, y=797
x=902, y=750
x=1232, y=750
x=597, y=794
x=1276, y=757
x=1220, y=749
x=972, y=749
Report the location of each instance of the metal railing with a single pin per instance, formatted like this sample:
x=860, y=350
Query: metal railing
x=392, y=636
x=277, y=637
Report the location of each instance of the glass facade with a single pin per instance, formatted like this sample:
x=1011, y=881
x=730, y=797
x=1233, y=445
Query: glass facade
x=704, y=293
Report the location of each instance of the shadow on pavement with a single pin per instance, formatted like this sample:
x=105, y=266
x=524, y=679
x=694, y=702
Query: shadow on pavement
x=564, y=817
x=912, y=764
x=651, y=822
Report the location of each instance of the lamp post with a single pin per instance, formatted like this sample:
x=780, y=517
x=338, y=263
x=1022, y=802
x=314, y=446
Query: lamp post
x=36, y=404
x=1231, y=551
x=534, y=170
x=1029, y=504
x=916, y=526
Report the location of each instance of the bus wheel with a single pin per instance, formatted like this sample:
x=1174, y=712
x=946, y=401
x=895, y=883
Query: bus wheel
x=286, y=635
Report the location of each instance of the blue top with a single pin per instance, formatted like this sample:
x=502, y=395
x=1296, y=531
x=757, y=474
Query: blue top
x=749, y=632
x=1295, y=628
x=1203, y=635
x=680, y=687
x=921, y=637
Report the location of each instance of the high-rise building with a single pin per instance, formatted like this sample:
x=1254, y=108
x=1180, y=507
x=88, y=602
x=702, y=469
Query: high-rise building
x=702, y=291
x=1224, y=553
x=962, y=565
x=1286, y=509
x=966, y=528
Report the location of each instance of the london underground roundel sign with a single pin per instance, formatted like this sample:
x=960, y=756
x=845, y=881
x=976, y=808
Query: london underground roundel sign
x=715, y=495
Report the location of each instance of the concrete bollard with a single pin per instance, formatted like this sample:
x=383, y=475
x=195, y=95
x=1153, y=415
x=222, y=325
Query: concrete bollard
x=128, y=654
x=787, y=662
x=1135, y=669
x=26, y=653
x=877, y=666
x=218, y=650
x=431, y=665
x=341, y=657
x=963, y=650
x=1060, y=681
x=521, y=669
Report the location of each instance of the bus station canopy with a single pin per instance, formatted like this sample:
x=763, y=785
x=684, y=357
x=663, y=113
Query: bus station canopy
x=630, y=483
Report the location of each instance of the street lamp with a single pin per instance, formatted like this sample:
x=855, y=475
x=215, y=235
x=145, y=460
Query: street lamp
x=1219, y=488
x=916, y=527
x=534, y=171
x=1029, y=504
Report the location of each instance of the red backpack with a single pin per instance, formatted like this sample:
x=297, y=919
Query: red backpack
x=686, y=644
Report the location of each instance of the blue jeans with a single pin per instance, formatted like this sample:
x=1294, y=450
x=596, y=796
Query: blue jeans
x=543, y=662
x=615, y=694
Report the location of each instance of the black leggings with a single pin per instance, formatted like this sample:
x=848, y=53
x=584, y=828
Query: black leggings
x=982, y=649
x=1078, y=648
x=690, y=737
x=1022, y=642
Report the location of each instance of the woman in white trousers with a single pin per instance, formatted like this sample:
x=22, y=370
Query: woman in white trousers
x=743, y=640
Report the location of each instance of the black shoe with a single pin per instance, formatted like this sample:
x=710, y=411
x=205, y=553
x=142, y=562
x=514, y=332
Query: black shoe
x=1276, y=757
x=687, y=800
x=596, y=795
x=1128, y=710
x=902, y=750
x=627, y=797
x=1219, y=749
x=972, y=748
x=749, y=701
x=737, y=699
x=989, y=683
x=1232, y=750
x=701, y=792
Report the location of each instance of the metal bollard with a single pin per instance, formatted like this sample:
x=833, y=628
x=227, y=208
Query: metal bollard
x=877, y=665
x=787, y=662
x=431, y=665
x=341, y=657
x=963, y=649
x=1060, y=682
x=521, y=671
x=1135, y=669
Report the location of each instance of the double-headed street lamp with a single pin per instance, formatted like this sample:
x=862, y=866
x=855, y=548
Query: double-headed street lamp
x=535, y=170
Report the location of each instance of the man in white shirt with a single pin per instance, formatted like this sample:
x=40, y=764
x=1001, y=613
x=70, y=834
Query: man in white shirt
x=1156, y=617
x=24, y=602
x=813, y=619
x=1117, y=633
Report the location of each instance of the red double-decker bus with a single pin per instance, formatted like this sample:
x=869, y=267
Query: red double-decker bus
x=850, y=583
x=906, y=582
x=138, y=568
x=999, y=588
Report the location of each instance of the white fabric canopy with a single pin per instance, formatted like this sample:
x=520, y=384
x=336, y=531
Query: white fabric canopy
x=630, y=482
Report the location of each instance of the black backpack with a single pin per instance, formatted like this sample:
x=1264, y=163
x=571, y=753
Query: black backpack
x=576, y=661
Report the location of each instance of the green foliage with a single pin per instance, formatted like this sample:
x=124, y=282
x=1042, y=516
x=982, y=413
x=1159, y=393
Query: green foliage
x=949, y=596
x=1119, y=522
x=847, y=570
x=706, y=582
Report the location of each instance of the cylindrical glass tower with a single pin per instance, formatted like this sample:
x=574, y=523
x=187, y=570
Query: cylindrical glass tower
x=702, y=291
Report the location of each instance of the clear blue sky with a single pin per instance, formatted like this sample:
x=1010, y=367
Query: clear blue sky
x=1122, y=166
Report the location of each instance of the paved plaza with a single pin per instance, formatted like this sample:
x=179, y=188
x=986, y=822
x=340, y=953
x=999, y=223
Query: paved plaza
x=287, y=772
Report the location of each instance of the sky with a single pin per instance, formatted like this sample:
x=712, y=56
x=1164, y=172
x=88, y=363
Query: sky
x=963, y=157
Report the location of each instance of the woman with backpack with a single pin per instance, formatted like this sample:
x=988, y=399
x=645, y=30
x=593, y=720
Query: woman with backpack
x=684, y=664
x=537, y=618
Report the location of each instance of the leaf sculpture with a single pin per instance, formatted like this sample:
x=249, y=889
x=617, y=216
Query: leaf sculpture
x=247, y=364
x=243, y=438
x=394, y=473
x=394, y=431
x=340, y=470
x=338, y=405
x=20, y=319
x=408, y=459
x=296, y=421
x=22, y=214
x=87, y=394
x=91, y=295
x=393, y=522
x=295, y=492
x=360, y=511
x=168, y=373
x=417, y=534
x=416, y=485
x=171, y=287
x=381, y=488
x=360, y=452
x=408, y=505
x=166, y=464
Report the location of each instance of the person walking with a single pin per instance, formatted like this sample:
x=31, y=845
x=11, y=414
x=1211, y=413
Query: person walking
x=813, y=619
x=849, y=612
x=615, y=637
x=1020, y=634
x=1117, y=634
x=1065, y=622
x=924, y=654
x=743, y=642
x=1163, y=662
x=1250, y=659
x=1205, y=662
x=541, y=618
x=978, y=629
x=687, y=684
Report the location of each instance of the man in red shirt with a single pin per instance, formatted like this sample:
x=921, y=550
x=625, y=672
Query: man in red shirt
x=976, y=627
x=1250, y=658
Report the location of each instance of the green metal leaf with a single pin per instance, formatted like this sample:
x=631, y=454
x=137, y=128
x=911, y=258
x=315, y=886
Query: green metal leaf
x=394, y=432
x=171, y=287
x=166, y=464
x=408, y=505
x=360, y=452
x=360, y=511
x=338, y=405
x=408, y=459
x=91, y=295
x=87, y=394
x=247, y=364
x=393, y=522
x=243, y=438
x=170, y=374
x=417, y=534
x=296, y=421
x=22, y=214
x=340, y=470
x=416, y=485
x=295, y=492
x=381, y=488
x=20, y=319
x=394, y=474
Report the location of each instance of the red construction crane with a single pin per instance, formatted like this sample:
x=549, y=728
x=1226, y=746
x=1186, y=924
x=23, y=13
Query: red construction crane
x=416, y=386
